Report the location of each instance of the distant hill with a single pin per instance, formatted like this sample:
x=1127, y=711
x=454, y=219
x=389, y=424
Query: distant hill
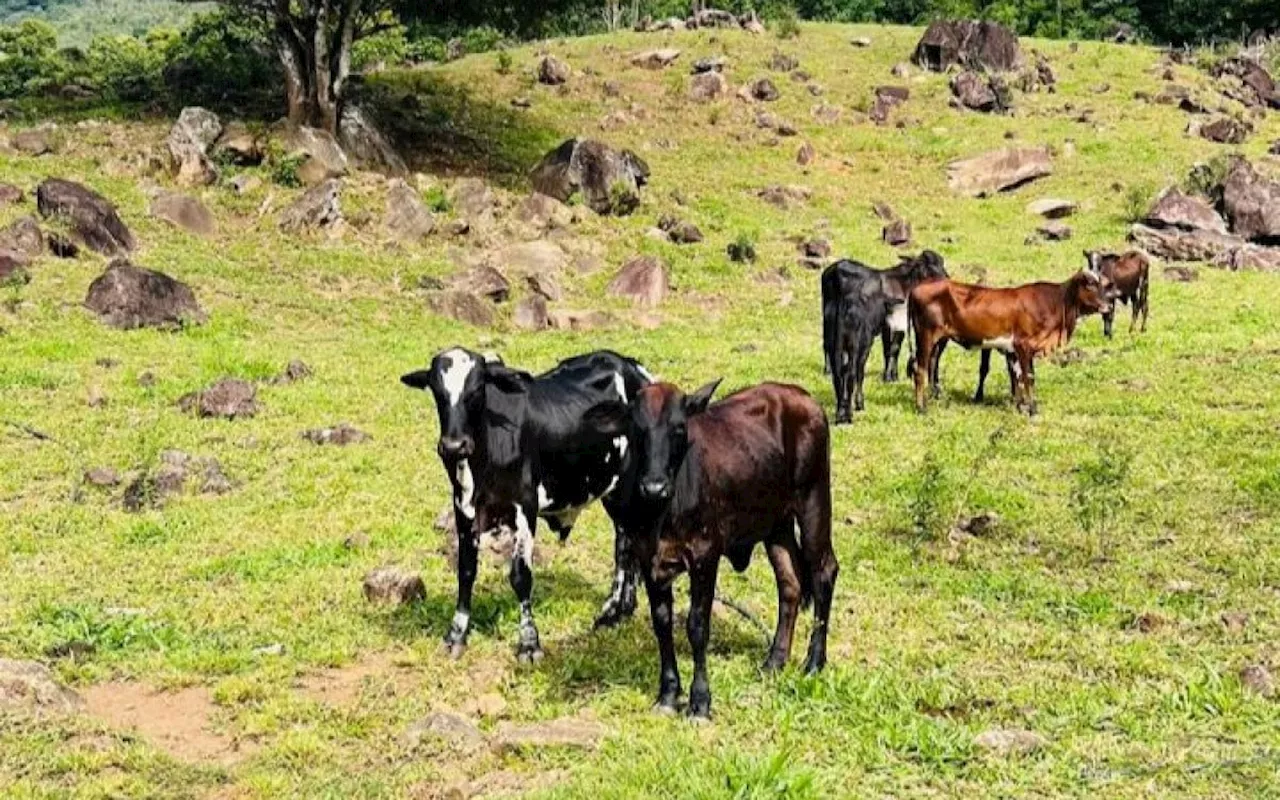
x=78, y=21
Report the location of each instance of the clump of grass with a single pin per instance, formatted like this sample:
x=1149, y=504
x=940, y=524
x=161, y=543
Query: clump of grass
x=786, y=23
x=1206, y=178
x=622, y=198
x=1099, y=495
x=929, y=493
x=283, y=167
x=1137, y=201
x=437, y=199
x=504, y=62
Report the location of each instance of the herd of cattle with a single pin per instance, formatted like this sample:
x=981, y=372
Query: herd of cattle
x=687, y=481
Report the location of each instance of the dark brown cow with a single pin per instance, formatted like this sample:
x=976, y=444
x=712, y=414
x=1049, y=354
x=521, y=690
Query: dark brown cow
x=1131, y=274
x=701, y=483
x=1022, y=322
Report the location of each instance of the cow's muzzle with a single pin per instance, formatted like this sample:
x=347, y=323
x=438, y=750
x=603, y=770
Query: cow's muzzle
x=460, y=447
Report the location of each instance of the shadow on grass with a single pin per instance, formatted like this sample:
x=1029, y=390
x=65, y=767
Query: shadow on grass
x=441, y=127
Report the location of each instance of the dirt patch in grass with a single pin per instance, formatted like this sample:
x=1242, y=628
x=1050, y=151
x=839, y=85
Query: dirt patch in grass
x=177, y=722
x=341, y=687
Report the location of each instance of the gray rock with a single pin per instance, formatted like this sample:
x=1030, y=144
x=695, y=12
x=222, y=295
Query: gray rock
x=896, y=233
x=463, y=307
x=568, y=732
x=643, y=280
x=323, y=158
x=980, y=92
x=784, y=197
x=1175, y=244
x=365, y=145
x=609, y=180
x=1173, y=209
x=709, y=64
x=543, y=212
x=1251, y=203
x=544, y=285
x=764, y=90
x=655, y=59
x=238, y=145
x=806, y=154
x=228, y=398
x=708, y=86
x=579, y=320
x=10, y=194
x=539, y=257
x=102, y=477
x=999, y=170
x=318, y=207
x=1054, y=231
x=1051, y=208
x=1257, y=679
x=244, y=184
x=552, y=71
x=391, y=584
x=185, y=212
x=129, y=297
x=294, y=371
x=340, y=435
x=407, y=219
x=61, y=246
x=24, y=237
x=783, y=62
x=189, y=141
x=474, y=200
x=974, y=45
x=30, y=687
x=94, y=219
x=484, y=281
x=1226, y=130
x=446, y=725
x=531, y=314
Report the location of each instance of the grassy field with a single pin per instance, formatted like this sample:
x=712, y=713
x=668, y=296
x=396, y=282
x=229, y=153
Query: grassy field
x=1133, y=573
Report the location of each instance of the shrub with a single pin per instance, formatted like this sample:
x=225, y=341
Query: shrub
x=786, y=25
x=29, y=62
x=389, y=47
x=1206, y=178
x=743, y=248
x=1099, y=494
x=1137, y=201
x=128, y=68
x=504, y=62
x=929, y=499
x=437, y=199
x=223, y=60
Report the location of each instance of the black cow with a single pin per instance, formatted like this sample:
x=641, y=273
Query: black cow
x=702, y=483
x=516, y=449
x=857, y=303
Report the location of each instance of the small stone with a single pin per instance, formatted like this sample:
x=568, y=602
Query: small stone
x=1051, y=208
x=583, y=734
x=1054, y=231
x=897, y=233
x=860, y=41
x=1234, y=622
x=487, y=705
x=27, y=686
x=453, y=728
x=356, y=541
x=229, y=398
x=340, y=435
x=102, y=477
x=296, y=370
x=805, y=155
x=1257, y=679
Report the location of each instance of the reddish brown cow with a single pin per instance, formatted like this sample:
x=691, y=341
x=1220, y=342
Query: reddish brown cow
x=700, y=483
x=1131, y=274
x=1022, y=322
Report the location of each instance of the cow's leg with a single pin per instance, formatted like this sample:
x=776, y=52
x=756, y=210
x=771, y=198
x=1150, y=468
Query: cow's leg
x=935, y=380
x=521, y=576
x=1107, y=319
x=1146, y=301
x=622, y=597
x=662, y=612
x=984, y=366
x=895, y=349
x=702, y=591
x=860, y=370
x=784, y=555
x=455, y=641
x=1011, y=362
x=820, y=560
x=1026, y=366
x=923, y=361
x=841, y=369
x=895, y=330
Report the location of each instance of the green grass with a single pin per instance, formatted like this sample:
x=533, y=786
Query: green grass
x=1148, y=485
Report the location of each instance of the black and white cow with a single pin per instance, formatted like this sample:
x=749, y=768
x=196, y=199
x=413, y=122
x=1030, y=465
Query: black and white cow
x=516, y=449
x=859, y=302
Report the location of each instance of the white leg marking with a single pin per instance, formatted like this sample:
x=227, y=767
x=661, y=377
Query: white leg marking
x=461, y=620
x=467, y=484
x=613, y=484
x=620, y=385
x=1004, y=344
x=620, y=442
x=1017, y=369
x=544, y=500
x=898, y=318
x=524, y=539
x=455, y=375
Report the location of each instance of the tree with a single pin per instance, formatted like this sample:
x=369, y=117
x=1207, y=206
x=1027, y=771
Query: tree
x=313, y=39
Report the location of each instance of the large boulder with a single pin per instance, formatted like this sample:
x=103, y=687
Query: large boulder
x=33, y=142
x=462, y=306
x=322, y=158
x=707, y=86
x=1178, y=244
x=609, y=180
x=318, y=208
x=184, y=211
x=129, y=297
x=189, y=141
x=1257, y=86
x=1252, y=203
x=239, y=145
x=552, y=71
x=999, y=170
x=543, y=212
x=643, y=280
x=408, y=219
x=365, y=144
x=980, y=92
x=31, y=688
x=23, y=236
x=92, y=217
x=1174, y=209
x=974, y=45
x=1226, y=130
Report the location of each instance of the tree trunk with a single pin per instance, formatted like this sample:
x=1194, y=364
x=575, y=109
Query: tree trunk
x=315, y=52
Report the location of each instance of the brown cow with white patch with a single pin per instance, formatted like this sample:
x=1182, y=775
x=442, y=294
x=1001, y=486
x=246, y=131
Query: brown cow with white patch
x=1022, y=322
x=1131, y=274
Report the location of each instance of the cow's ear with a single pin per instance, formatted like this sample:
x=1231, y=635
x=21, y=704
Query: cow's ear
x=697, y=402
x=609, y=418
x=417, y=380
x=507, y=380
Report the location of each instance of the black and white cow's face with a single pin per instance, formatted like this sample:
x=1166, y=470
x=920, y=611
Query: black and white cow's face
x=657, y=425
x=1094, y=259
x=1097, y=293
x=456, y=379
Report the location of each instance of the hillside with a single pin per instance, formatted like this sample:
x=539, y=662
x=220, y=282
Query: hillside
x=1130, y=579
x=78, y=21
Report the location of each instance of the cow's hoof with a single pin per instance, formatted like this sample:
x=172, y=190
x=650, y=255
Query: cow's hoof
x=772, y=665
x=844, y=418
x=530, y=655
x=453, y=650
x=699, y=720
x=699, y=711
x=613, y=616
x=665, y=708
x=813, y=667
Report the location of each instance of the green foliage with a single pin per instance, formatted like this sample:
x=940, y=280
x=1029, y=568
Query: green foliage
x=1100, y=492
x=504, y=63
x=743, y=248
x=129, y=68
x=1206, y=178
x=786, y=25
x=929, y=493
x=390, y=47
x=284, y=166
x=223, y=59
x=29, y=62
x=1137, y=201
x=78, y=22
x=437, y=199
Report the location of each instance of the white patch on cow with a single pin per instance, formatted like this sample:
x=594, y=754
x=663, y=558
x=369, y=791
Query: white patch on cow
x=613, y=484
x=898, y=318
x=544, y=499
x=644, y=373
x=524, y=539
x=620, y=385
x=455, y=375
x=465, y=500
x=1004, y=344
x=461, y=620
x=620, y=442
x=1017, y=368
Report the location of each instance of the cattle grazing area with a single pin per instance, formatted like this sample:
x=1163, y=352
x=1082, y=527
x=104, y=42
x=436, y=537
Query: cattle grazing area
x=228, y=565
